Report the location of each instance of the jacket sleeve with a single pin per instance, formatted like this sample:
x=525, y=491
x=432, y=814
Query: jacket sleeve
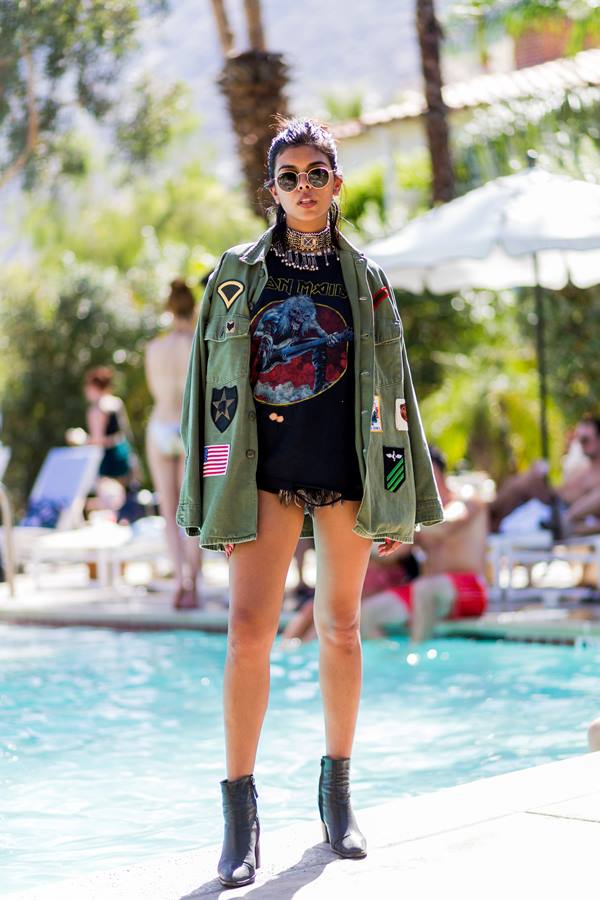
x=429, y=508
x=189, y=510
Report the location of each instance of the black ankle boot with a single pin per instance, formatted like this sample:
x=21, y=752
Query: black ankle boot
x=339, y=825
x=240, y=857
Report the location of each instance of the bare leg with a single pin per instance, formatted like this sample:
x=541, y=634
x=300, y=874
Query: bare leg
x=165, y=478
x=594, y=735
x=191, y=548
x=301, y=625
x=432, y=596
x=304, y=544
x=257, y=573
x=342, y=559
x=518, y=490
x=588, y=505
x=379, y=610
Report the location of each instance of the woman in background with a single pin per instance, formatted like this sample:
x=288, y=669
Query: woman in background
x=107, y=425
x=166, y=367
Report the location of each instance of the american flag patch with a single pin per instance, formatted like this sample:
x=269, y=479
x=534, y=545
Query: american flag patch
x=216, y=459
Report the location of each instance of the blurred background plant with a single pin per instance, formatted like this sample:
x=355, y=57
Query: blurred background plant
x=118, y=194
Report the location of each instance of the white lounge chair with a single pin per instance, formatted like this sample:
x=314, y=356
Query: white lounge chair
x=58, y=496
x=506, y=551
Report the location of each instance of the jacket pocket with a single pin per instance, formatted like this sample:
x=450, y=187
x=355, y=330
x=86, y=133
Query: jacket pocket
x=228, y=344
x=388, y=351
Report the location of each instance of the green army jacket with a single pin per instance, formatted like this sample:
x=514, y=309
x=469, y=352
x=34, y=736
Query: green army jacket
x=218, y=499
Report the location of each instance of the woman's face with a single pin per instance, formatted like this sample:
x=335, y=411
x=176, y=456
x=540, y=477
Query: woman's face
x=306, y=207
x=92, y=393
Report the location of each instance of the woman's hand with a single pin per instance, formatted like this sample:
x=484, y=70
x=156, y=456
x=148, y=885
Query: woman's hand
x=388, y=547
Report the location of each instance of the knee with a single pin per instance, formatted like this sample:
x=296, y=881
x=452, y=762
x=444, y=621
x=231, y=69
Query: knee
x=342, y=633
x=249, y=635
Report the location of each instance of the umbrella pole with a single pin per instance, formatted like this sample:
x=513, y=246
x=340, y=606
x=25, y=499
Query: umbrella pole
x=541, y=357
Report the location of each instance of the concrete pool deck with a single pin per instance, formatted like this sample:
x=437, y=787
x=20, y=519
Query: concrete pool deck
x=532, y=833
x=66, y=599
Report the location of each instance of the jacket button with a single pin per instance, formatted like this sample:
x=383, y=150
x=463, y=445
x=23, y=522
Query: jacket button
x=250, y=454
x=366, y=335
x=365, y=373
x=363, y=412
x=252, y=415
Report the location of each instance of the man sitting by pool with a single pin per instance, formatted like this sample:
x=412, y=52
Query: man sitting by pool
x=451, y=584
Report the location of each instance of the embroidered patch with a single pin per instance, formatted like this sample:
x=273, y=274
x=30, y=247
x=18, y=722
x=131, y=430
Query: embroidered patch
x=394, y=468
x=401, y=414
x=229, y=291
x=379, y=296
x=376, y=414
x=223, y=406
x=229, y=327
x=216, y=459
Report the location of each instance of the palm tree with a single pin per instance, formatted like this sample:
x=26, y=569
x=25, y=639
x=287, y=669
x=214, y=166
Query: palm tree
x=436, y=124
x=253, y=82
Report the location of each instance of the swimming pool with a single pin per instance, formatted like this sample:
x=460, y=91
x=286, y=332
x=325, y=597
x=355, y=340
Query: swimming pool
x=111, y=743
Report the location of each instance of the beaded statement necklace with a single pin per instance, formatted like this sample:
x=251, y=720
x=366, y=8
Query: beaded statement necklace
x=301, y=249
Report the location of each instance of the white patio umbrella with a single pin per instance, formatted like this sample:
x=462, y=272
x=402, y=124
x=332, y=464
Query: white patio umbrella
x=533, y=229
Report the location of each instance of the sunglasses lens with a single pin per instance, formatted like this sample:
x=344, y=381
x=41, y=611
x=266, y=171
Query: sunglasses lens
x=287, y=181
x=318, y=178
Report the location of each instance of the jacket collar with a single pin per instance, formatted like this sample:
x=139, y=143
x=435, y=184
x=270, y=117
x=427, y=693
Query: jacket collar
x=257, y=251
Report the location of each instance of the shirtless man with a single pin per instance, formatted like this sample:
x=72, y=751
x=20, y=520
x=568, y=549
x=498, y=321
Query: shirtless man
x=451, y=584
x=578, y=497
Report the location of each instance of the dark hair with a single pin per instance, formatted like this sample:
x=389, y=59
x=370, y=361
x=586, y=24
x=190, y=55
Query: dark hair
x=300, y=133
x=589, y=419
x=438, y=458
x=100, y=377
x=181, y=301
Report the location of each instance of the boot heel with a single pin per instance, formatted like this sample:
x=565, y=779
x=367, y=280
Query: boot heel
x=257, y=854
x=325, y=833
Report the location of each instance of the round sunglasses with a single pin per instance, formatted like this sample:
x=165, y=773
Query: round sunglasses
x=316, y=178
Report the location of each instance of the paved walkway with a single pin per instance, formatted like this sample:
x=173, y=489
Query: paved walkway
x=68, y=599
x=529, y=834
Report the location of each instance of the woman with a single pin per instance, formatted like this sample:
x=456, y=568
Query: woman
x=299, y=418
x=107, y=424
x=166, y=363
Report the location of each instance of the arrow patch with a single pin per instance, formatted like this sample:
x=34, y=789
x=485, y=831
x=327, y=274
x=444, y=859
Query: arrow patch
x=394, y=468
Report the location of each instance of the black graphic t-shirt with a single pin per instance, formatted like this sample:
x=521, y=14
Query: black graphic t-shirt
x=302, y=376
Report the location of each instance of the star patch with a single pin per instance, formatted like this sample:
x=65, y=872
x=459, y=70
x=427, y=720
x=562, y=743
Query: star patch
x=401, y=414
x=223, y=407
x=229, y=291
x=376, y=415
x=394, y=468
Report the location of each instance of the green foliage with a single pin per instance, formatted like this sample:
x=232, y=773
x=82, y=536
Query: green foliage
x=172, y=225
x=363, y=195
x=343, y=106
x=518, y=16
x=51, y=334
x=104, y=257
x=57, y=59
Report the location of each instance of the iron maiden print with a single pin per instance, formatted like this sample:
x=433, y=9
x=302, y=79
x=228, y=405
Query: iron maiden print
x=299, y=350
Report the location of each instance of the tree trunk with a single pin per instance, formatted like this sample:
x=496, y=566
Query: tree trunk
x=436, y=125
x=253, y=83
x=223, y=27
x=256, y=34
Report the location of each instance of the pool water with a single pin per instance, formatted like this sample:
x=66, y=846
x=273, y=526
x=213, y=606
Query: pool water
x=111, y=743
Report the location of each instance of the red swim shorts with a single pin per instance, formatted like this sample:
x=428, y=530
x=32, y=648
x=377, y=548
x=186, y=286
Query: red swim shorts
x=470, y=600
